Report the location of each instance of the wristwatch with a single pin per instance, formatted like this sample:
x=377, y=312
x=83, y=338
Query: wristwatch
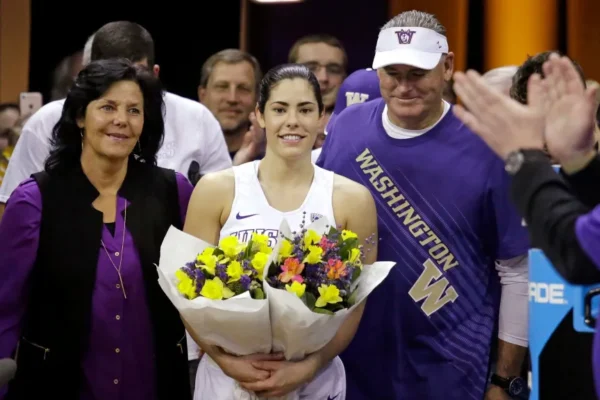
x=514, y=385
x=516, y=159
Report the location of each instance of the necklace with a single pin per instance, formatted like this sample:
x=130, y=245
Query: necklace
x=118, y=269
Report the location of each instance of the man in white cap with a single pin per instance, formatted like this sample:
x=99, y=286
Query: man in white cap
x=446, y=219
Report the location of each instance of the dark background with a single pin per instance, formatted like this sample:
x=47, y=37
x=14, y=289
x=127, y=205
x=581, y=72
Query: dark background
x=186, y=33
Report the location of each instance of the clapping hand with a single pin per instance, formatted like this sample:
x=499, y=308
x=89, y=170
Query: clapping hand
x=503, y=123
x=560, y=114
x=253, y=144
x=571, y=114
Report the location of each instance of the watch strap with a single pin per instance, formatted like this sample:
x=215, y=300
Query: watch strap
x=516, y=159
x=500, y=381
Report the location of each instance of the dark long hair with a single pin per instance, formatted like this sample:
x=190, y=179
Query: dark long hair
x=91, y=83
x=283, y=72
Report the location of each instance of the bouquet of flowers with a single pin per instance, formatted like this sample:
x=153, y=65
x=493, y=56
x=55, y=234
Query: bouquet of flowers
x=226, y=271
x=314, y=282
x=218, y=290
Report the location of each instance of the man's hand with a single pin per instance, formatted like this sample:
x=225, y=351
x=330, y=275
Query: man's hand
x=503, y=123
x=571, y=117
x=253, y=144
x=496, y=393
x=286, y=376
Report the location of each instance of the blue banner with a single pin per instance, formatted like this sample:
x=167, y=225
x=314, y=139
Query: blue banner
x=551, y=298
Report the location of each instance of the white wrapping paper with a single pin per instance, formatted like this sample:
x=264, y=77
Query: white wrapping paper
x=240, y=325
x=298, y=331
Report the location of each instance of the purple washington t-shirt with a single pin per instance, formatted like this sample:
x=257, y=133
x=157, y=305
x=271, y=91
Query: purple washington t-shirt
x=444, y=216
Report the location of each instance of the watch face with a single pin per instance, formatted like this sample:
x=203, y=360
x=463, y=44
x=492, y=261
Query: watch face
x=514, y=162
x=516, y=386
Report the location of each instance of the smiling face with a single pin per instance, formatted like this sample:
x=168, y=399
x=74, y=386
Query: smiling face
x=113, y=123
x=291, y=118
x=230, y=94
x=413, y=94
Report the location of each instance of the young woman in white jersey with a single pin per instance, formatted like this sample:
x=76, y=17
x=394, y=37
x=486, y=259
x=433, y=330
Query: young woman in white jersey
x=256, y=197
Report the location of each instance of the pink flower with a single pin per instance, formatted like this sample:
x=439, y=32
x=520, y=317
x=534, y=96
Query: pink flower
x=326, y=244
x=336, y=269
x=292, y=268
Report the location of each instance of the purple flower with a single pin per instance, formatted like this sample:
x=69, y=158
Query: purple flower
x=199, y=275
x=200, y=279
x=245, y=281
x=221, y=272
x=189, y=271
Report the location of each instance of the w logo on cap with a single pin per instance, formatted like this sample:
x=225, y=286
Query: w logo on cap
x=405, y=36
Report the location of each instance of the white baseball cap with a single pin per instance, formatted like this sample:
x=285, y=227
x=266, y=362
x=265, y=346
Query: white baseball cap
x=419, y=47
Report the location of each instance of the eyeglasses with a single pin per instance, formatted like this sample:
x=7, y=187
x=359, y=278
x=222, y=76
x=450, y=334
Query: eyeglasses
x=330, y=69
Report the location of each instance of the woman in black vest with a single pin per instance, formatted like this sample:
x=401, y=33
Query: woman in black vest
x=81, y=310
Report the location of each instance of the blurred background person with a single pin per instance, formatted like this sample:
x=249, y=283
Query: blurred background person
x=501, y=77
x=8, y=140
x=10, y=114
x=64, y=75
x=228, y=88
x=360, y=86
x=326, y=57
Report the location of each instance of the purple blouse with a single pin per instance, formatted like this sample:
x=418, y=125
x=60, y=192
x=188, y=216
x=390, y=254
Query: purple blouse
x=118, y=363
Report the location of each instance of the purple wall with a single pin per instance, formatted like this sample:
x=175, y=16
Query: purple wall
x=275, y=28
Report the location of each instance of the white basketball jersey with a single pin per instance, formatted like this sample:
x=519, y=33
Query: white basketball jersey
x=251, y=212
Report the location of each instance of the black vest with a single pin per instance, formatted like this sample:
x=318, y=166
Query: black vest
x=56, y=326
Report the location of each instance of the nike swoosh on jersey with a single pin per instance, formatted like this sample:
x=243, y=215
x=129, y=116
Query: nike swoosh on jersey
x=333, y=398
x=238, y=216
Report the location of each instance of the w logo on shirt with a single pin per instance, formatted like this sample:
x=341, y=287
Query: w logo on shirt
x=315, y=216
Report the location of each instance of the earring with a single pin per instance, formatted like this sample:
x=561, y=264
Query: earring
x=81, y=132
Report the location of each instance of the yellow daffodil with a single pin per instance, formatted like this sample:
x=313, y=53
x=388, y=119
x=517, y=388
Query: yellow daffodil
x=286, y=249
x=234, y=271
x=231, y=246
x=259, y=239
x=329, y=294
x=186, y=285
x=261, y=243
x=297, y=288
x=207, y=260
x=314, y=255
x=259, y=261
x=354, y=257
x=215, y=289
x=265, y=249
x=310, y=238
x=346, y=234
